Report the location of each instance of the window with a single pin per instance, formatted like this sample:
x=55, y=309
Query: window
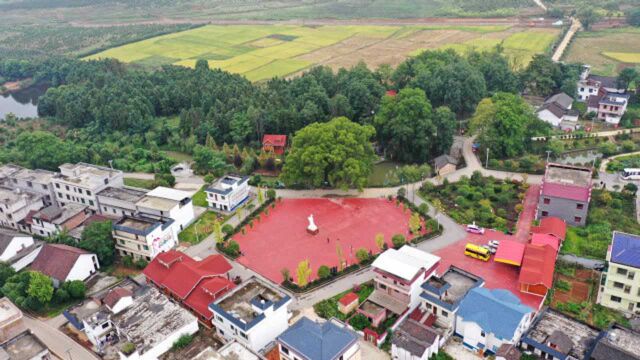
x=616, y=299
x=577, y=219
x=579, y=206
x=618, y=285
x=382, y=286
x=57, y=186
x=244, y=335
x=45, y=187
x=631, y=275
x=59, y=195
x=91, y=202
x=104, y=208
x=29, y=184
x=145, y=247
x=68, y=197
x=67, y=187
x=621, y=271
x=284, y=350
x=482, y=333
x=581, y=89
x=627, y=289
x=545, y=213
x=121, y=241
x=219, y=318
x=445, y=314
x=105, y=325
x=547, y=200
x=88, y=192
x=428, y=305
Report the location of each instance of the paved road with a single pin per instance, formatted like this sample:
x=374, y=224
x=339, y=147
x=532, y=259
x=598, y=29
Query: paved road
x=60, y=344
x=587, y=263
x=575, y=27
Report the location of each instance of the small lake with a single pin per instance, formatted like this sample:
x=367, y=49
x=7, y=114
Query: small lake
x=23, y=103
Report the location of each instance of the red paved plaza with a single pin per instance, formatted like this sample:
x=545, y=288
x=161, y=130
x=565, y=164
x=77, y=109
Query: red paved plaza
x=280, y=240
x=496, y=275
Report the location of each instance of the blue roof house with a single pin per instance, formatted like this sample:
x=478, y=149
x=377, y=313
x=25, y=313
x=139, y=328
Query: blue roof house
x=488, y=318
x=621, y=280
x=309, y=340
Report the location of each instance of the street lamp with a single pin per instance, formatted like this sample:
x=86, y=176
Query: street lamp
x=486, y=165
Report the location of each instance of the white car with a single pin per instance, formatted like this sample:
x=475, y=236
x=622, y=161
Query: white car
x=475, y=229
x=494, y=243
x=491, y=250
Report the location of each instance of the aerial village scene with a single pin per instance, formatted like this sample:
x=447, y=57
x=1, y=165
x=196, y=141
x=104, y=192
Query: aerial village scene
x=319, y=180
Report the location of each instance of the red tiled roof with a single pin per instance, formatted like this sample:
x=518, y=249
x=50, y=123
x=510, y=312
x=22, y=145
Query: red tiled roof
x=115, y=295
x=510, y=252
x=207, y=292
x=275, y=140
x=180, y=274
x=538, y=265
x=553, y=226
x=545, y=239
x=572, y=192
x=56, y=260
x=348, y=298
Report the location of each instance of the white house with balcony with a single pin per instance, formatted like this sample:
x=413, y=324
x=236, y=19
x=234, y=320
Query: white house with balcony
x=228, y=192
x=80, y=183
x=253, y=314
x=166, y=203
x=16, y=204
x=143, y=237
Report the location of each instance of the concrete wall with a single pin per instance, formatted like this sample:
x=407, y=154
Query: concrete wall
x=17, y=244
x=549, y=117
x=563, y=208
x=85, y=266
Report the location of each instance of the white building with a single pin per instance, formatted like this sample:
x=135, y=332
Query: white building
x=589, y=85
x=65, y=263
x=17, y=249
x=80, y=183
x=15, y=205
x=228, y=192
x=152, y=323
x=143, y=237
x=307, y=339
x=53, y=219
x=167, y=203
x=399, y=275
x=487, y=319
x=118, y=202
x=37, y=181
x=253, y=314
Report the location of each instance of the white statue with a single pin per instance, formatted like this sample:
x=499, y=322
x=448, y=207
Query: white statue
x=312, y=228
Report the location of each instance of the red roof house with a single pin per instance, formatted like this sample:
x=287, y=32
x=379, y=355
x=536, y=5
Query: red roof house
x=274, y=143
x=348, y=303
x=536, y=273
x=195, y=284
x=546, y=239
x=510, y=252
x=553, y=226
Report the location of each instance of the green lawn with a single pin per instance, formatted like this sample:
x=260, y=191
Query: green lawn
x=200, y=198
x=608, y=211
x=201, y=228
x=328, y=308
x=139, y=183
x=178, y=156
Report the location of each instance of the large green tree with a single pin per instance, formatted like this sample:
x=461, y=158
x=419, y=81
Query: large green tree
x=96, y=237
x=409, y=129
x=505, y=123
x=337, y=153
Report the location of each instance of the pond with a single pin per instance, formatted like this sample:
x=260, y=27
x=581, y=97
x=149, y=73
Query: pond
x=22, y=103
x=581, y=157
x=380, y=171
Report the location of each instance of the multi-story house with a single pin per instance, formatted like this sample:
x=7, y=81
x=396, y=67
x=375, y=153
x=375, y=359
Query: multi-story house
x=442, y=295
x=488, y=319
x=565, y=193
x=80, y=183
x=142, y=237
x=166, y=203
x=37, y=181
x=620, y=283
x=15, y=205
x=253, y=314
x=116, y=202
x=399, y=275
x=310, y=340
x=228, y=192
x=608, y=107
x=54, y=219
x=589, y=85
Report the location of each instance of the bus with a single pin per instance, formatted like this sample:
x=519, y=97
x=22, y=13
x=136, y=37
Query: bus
x=630, y=174
x=477, y=252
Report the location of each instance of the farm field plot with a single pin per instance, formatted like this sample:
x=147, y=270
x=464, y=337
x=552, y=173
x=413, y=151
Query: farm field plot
x=607, y=51
x=263, y=51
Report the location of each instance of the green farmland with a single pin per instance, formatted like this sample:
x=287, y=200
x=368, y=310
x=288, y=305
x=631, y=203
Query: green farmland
x=263, y=51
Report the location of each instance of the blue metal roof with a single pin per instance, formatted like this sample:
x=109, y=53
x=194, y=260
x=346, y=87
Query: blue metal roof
x=326, y=341
x=625, y=249
x=496, y=311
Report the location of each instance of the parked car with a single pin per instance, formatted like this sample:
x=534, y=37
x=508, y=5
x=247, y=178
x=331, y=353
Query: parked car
x=492, y=250
x=494, y=243
x=475, y=229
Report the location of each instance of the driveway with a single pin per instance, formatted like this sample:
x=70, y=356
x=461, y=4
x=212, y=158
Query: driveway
x=60, y=344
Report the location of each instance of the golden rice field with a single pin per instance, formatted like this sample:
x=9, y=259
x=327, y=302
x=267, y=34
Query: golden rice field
x=263, y=51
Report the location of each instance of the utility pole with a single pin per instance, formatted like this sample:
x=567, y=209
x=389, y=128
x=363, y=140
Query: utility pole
x=486, y=165
x=548, y=152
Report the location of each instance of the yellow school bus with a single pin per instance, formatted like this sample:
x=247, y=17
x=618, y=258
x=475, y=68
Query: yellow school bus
x=477, y=252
